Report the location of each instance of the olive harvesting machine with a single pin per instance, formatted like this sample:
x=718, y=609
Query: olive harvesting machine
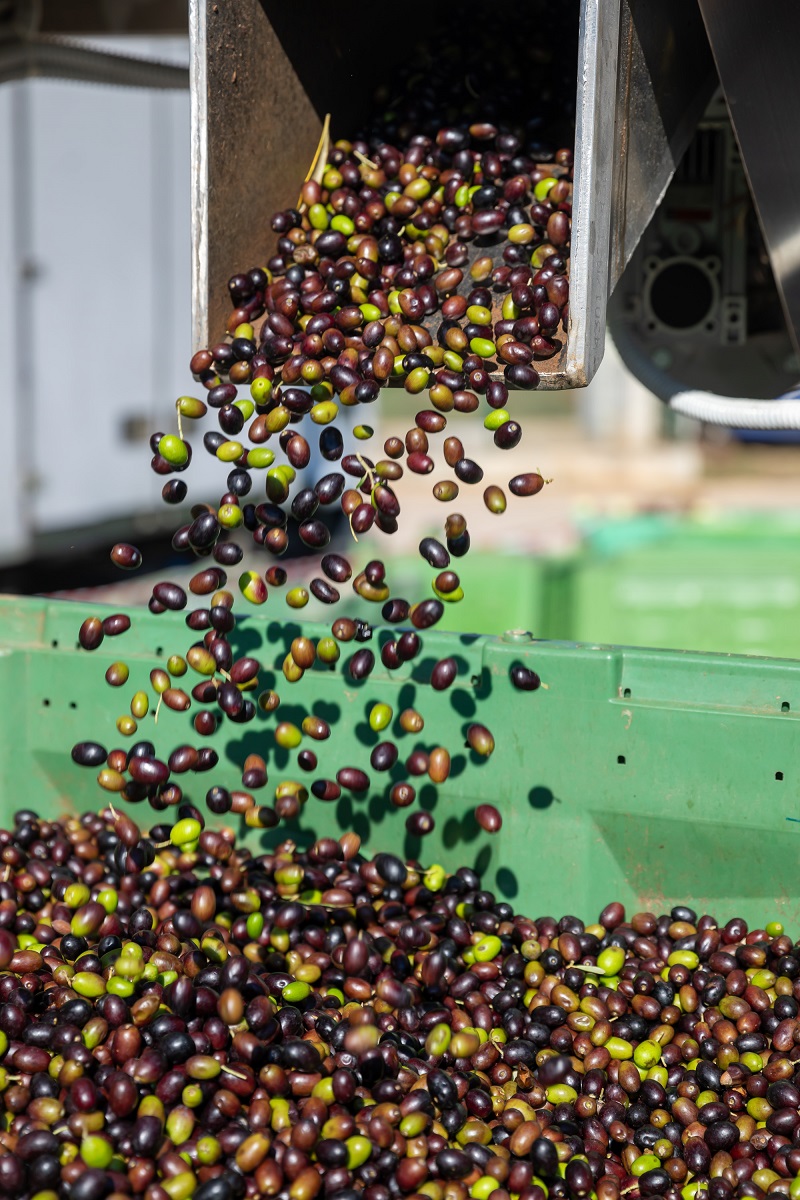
x=647, y=776
x=685, y=224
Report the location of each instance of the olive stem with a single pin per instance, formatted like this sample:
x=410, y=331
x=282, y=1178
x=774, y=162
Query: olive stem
x=158, y=707
x=320, y=159
x=367, y=474
x=366, y=162
x=229, y=1071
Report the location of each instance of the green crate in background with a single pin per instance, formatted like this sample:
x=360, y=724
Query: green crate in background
x=647, y=776
x=501, y=591
x=729, y=585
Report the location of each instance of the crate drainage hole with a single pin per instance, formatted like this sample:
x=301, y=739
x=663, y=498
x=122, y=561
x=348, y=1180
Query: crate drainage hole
x=72, y=704
x=45, y=703
x=54, y=643
x=626, y=693
x=785, y=706
x=779, y=776
x=159, y=651
x=621, y=759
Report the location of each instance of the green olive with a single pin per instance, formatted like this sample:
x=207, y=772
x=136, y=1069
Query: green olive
x=297, y=597
x=230, y=451
x=328, y=650
x=324, y=412
x=478, y=315
x=160, y=681
x=259, y=457
x=253, y=587
x=380, y=717
x=318, y=216
x=343, y=224
x=173, y=449
x=261, y=390
x=288, y=736
x=417, y=380
x=496, y=418
x=190, y=407
x=230, y=516
x=97, y=1151
x=542, y=189
x=186, y=830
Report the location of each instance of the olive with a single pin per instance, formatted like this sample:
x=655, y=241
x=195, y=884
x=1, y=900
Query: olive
x=126, y=556
x=488, y=818
x=91, y=633
x=88, y=754
x=434, y=553
x=526, y=485
x=523, y=678
x=443, y=674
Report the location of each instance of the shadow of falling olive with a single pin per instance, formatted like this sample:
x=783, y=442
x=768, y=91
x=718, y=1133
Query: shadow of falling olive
x=366, y=734
x=483, y=859
x=412, y=847
x=378, y=808
x=328, y=710
x=302, y=837
x=428, y=797
x=421, y=668
x=469, y=639
x=396, y=773
x=482, y=684
x=458, y=765
x=253, y=742
x=507, y=883
x=295, y=714
x=247, y=639
x=463, y=702
x=267, y=682
x=460, y=831
x=360, y=825
x=278, y=756
x=541, y=797
x=344, y=812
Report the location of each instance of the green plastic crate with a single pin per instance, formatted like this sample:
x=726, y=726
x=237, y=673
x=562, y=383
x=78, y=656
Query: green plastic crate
x=646, y=776
x=725, y=586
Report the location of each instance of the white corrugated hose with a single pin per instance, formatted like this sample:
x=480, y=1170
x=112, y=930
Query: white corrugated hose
x=783, y=413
